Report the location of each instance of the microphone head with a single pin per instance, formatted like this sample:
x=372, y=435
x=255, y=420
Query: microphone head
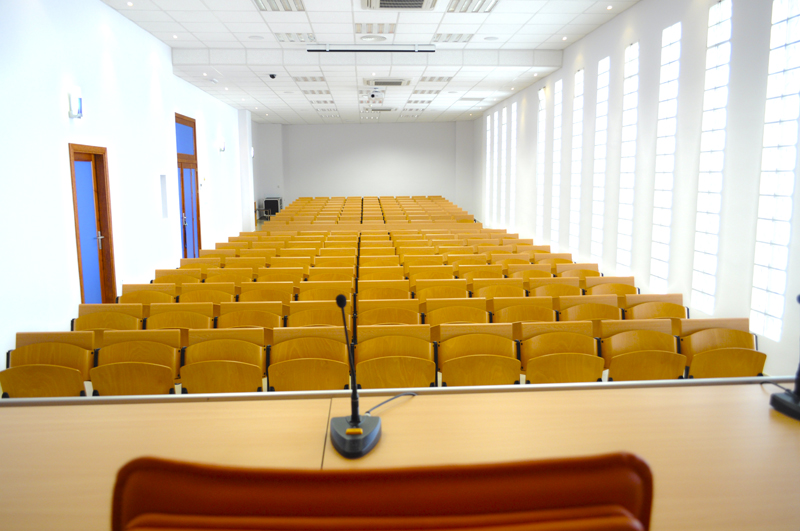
x=341, y=301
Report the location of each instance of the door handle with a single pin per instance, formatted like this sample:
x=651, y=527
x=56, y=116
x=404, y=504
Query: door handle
x=99, y=240
x=184, y=220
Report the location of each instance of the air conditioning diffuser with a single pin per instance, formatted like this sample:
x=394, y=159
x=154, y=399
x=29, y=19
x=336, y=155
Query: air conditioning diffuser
x=417, y=5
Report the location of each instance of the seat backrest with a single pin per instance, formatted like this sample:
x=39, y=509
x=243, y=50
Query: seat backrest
x=52, y=353
x=610, y=328
x=685, y=327
x=141, y=351
x=41, y=380
x=556, y=290
x=226, y=350
x=456, y=314
x=635, y=341
x=647, y=365
x=523, y=313
x=633, y=300
x=107, y=321
x=656, y=310
x=476, y=344
x=393, y=345
x=611, y=288
x=381, y=273
x=280, y=274
x=727, y=363
x=132, y=378
x=178, y=319
x=534, y=282
x=176, y=279
x=326, y=274
x=309, y=374
x=219, y=376
x=715, y=338
x=563, y=368
x=591, y=311
x=538, y=257
x=557, y=343
x=519, y=270
x=378, y=261
x=480, y=369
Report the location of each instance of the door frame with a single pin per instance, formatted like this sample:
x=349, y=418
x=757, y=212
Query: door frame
x=191, y=162
x=108, y=277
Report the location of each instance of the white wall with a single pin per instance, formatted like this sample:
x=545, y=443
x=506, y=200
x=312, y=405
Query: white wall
x=644, y=23
x=130, y=100
x=268, y=161
x=374, y=159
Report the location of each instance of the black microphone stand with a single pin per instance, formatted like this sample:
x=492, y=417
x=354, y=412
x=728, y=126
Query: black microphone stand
x=788, y=402
x=355, y=435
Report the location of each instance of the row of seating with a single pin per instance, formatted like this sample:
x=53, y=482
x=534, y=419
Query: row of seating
x=372, y=209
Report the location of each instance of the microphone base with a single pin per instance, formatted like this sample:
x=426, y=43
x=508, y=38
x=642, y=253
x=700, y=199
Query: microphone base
x=786, y=403
x=354, y=446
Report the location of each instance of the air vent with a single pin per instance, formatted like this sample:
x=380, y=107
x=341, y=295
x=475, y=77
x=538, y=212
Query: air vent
x=414, y=109
x=280, y=5
x=471, y=6
x=326, y=109
x=386, y=82
x=295, y=37
x=322, y=102
x=420, y=92
x=382, y=109
x=432, y=79
x=409, y=116
x=329, y=115
x=471, y=99
x=309, y=79
x=310, y=92
x=385, y=29
x=419, y=102
x=399, y=4
x=453, y=38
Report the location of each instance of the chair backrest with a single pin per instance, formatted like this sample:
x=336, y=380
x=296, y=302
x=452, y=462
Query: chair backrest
x=218, y=376
x=326, y=274
x=456, y=314
x=226, y=350
x=324, y=290
x=633, y=300
x=590, y=312
x=281, y=274
x=177, y=279
x=193, y=273
x=715, y=338
x=519, y=270
x=634, y=341
x=41, y=380
x=107, y=321
x=142, y=352
x=563, y=368
x=393, y=345
x=476, y=344
x=557, y=343
x=523, y=331
x=132, y=378
x=727, y=363
x=323, y=343
x=585, y=269
x=381, y=273
x=309, y=374
x=480, y=369
x=647, y=365
x=54, y=353
x=171, y=338
x=531, y=283
x=378, y=261
x=229, y=274
x=656, y=310
x=523, y=313
x=538, y=257
x=556, y=290
x=611, y=288
x=685, y=327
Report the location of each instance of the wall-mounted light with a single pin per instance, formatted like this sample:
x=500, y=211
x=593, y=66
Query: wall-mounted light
x=252, y=152
x=222, y=144
x=75, y=103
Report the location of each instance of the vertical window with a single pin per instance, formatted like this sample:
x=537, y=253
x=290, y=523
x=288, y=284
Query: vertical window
x=778, y=164
x=503, y=166
x=487, y=196
x=540, y=171
x=665, y=157
x=577, y=164
x=495, y=164
x=600, y=150
x=512, y=178
x=627, y=170
x=555, y=209
x=712, y=157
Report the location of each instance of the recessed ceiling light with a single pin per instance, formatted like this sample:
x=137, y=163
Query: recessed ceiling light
x=242, y=99
x=564, y=38
x=490, y=38
x=536, y=74
x=174, y=36
x=226, y=88
x=373, y=38
x=130, y=4
x=610, y=8
x=288, y=92
x=512, y=88
x=256, y=38
x=256, y=108
x=205, y=74
x=453, y=92
x=373, y=73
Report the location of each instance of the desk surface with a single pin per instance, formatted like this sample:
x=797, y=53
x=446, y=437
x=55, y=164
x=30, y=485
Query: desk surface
x=721, y=458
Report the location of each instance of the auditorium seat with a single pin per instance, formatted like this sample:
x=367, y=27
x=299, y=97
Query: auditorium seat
x=108, y=317
x=237, y=276
x=656, y=310
x=713, y=339
x=176, y=276
x=41, y=380
x=183, y=317
x=308, y=359
x=250, y=314
x=324, y=290
x=564, y=368
x=646, y=365
x=471, y=272
x=441, y=289
x=329, y=274
x=635, y=341
x=213, y=292
x=395, y=356
x=219, y=376
x=147, y=294
x=216, y=253
x=381, y=273
x=498, y=287
x=521, y=271
x=141, y=351
x=465, y=259
x=281, y=274
x=477, y=354
x=521, y=309
x=267, y=291
x=384, y=289
x=556, y=290
x=533, y=282
x=378, y=261
x=65, y=349
x=556, y=342
x=728, y=362
x=132, y=378
x=388, y=311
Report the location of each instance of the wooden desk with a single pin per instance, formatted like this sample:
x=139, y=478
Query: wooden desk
x=721, y=457
x=58, y=463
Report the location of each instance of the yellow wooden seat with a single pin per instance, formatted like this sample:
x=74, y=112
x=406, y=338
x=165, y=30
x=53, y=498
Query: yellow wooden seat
x=713, y=339
x=54, y=353
x=221, y=377
x=217, y=253
x=480, y=370
x=181, y=320
x=176, y=279
x=523, y=313
x=590, y=312
x=378, y=261
x=727, y=363
x=281, y=274
x=520, y=271
x=461, y=260
x=237, y=276
x=656, y=310
x=214, y=292
x=377, y=251
x=41, y=380
x=385, y=316
x=531, y=283
x=141, y=352
x=456, y=314
x=556, y=343
x=414, y=344
x=628, y=301
x=539, y=257
x=297, y=343
x=565, y=367
x=411, y=259
x=257, y=253
x=107, y=321
x=556, y=290
x=249, y=318
x=475, y=343
x=381, y=273
x=389, y=372
x=686, y=327
x=309, y=374
x=611, y=288
x=267, y=291
x=634, y=341
x=132, y=378
x=647, y=365
x=226, y=350
x=147, y=296
x=324, y=291
x=329, y=274
x=471, y=272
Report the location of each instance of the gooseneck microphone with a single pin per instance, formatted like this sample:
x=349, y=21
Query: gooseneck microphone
x=355, y=435
x=788, y=402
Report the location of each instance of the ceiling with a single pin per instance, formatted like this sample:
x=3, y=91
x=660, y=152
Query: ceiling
x=229, y=48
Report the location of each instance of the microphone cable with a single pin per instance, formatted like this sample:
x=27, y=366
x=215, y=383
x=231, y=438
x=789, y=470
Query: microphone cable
x=389, y=400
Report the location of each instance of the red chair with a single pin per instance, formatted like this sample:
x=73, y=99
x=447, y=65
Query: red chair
x=607, y=492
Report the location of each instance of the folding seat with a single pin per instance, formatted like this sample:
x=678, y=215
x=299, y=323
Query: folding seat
x=258, y=253
x=108, y=317
x=252, y=262
x=453, y=247
x=281, y=274
x=177, y=276
x=556, y=290
x=217, y=253
x=201, y=263
x=298, y=252
x=530, y=248
x=146, y=294
x=388, y=312
x=272, y=246
x=160, y=347
x=237, y=276
x=317, y=313
x=395, y=356
x=647, y=365
x=303, y=262
x=410, y=250
x=214, y=292
x=63, y=349
x=669, y=306
x=510, y=259
x=715, y=339
x=308, y=359
x=325, y=290
x=636, y=341
x=471, y=272
x=378, y=261
x=534, y=283
x=729, y=362
x=450, y=311
x=184, y=316
x=441, y=289
x=477, y=354
x=415, y=272
x=498, y=287
x=491, y=249
x=132, y=378
x=368, y=243
x=384, y=289
x=552, y=258
x=377, y=251
x=521, y=309
x=233, y=245
x=41, y=380
x=266, y=315
x=482, y=241
x=610, y=285
x=545, y=338
x=338, y=251
x=326, y=274
x=267, y=291
x=381, y=273
x=564, y=368
x=224, y=361
x=587, y=307
x=242, y=238
x=580, y=271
